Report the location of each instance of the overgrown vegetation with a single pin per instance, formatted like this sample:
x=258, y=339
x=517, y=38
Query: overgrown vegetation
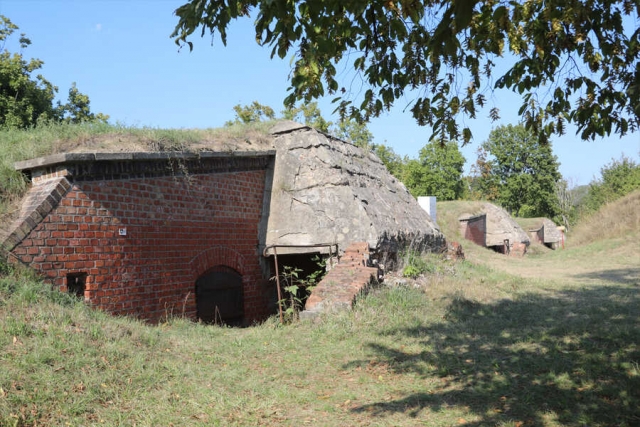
x=617, y=179
x=297, y=286
x=618, y=219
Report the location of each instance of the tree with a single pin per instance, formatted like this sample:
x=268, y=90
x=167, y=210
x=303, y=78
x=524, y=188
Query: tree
x=567, y=212
x=355, y=132
x=437, y=172
x=253, y=113
x=310, y=115
x=23, y=99
x=77, y=109
x=618, y=178
x=525, y=171
x=346, y=129
x=483, y=184
x=580, y=54
x=392, y=161
x=26, y=99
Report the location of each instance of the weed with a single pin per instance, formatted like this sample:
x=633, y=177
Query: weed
x=416, y=264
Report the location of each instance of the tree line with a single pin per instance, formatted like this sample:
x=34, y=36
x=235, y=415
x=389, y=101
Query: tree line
x=27, y=98
x=514, y=167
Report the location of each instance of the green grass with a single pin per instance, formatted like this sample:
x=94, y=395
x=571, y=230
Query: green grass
x=467, y=344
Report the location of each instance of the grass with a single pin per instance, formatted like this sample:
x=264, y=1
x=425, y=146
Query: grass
x=616, y=219
x=465, y=344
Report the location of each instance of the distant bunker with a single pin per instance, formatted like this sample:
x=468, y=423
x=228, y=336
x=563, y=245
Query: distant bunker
x=543, y=231
x=157, y=234
x=493, y=228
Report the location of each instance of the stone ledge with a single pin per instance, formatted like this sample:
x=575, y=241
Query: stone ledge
x=39, y=201
x=62, y=158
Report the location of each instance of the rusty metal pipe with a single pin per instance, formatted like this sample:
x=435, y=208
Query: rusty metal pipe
x=275, y=256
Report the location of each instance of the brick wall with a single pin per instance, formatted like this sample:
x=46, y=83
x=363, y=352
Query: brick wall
x=339, y=288
x=475, y=229
x=143, y=241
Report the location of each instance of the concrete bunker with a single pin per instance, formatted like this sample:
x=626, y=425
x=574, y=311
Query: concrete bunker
x=492, y=227
x=543, y=231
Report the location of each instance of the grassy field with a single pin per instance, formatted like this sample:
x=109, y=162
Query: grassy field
x=487, y=341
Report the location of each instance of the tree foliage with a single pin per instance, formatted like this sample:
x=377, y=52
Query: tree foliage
x=483, y=184
x=570, y=61
x=618, y=178
x=523, y=170
x=436, y=172
x=393, y=162
x=27, y=98
x=567, y=210
x=310, y=115
x=253, y=113
x=77, y=109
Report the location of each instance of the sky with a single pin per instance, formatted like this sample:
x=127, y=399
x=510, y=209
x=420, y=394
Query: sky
x=120, y=54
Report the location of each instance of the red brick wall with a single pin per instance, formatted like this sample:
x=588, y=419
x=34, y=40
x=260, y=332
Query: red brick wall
x=475, y=229
x=176, y=229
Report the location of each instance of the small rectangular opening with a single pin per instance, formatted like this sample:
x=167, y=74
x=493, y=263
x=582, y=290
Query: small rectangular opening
x=76, y=284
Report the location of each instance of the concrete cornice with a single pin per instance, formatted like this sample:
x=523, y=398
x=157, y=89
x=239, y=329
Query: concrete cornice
x=76, y=158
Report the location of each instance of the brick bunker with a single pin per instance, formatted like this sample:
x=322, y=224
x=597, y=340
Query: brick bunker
x=151, y=234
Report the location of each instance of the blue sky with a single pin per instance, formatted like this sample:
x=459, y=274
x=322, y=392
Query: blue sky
x=120, y=54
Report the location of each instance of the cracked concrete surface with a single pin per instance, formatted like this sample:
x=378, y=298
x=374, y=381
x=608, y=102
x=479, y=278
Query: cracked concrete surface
x=330, y=191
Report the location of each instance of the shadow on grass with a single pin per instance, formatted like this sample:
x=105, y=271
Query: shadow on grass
x=572, y=359
x=620, y=275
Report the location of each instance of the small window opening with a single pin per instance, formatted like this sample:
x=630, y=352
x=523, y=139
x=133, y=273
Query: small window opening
x=76, y=283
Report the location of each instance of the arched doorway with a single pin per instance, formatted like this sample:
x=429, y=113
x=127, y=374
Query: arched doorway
x=219, y=298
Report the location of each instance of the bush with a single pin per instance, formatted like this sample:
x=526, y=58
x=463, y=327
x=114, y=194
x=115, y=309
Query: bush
x=619, y=178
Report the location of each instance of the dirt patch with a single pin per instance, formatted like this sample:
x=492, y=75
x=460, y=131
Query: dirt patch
x=585, y=265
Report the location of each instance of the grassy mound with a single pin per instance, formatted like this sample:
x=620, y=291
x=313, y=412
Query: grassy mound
x=44, y=140
x=550, y=340
x=619, y=219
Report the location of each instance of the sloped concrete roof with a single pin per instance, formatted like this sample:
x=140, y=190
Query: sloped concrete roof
x=329, y=191
x=501, y=226
x=551, y=232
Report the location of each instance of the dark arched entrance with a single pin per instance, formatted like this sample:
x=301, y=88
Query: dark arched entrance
x=219, y=296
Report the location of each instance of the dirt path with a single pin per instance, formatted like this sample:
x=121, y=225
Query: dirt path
x=614, y=261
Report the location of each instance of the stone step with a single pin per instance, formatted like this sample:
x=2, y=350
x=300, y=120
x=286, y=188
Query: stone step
x=340, y=286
